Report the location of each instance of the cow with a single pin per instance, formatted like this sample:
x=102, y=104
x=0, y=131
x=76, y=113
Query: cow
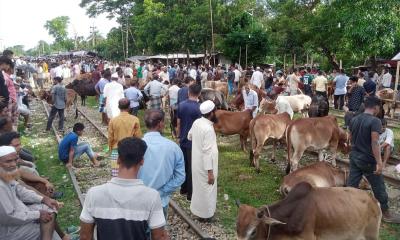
x=230, y=123
x=307, y=213
x=319, y=107
x=72, y=98
x=388, y=94
x=84, y=88
x=219, y=86
x=216, y=96
x=317, y=134
x=320, y=174
x=262, y=128
x=299, y=103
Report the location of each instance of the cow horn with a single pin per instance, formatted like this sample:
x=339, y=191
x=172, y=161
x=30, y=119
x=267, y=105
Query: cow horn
x=272, y=221
x=237, y=202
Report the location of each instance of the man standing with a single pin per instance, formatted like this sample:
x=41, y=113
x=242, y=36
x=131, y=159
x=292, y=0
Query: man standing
x=193, y=72
x=340, y=82
x=307, y=80
x=99, y=88
x=113, y=92
x=155, y=90
x=238, y=74
x=134, y=96
x=257, y=78
x=204, y=163
x=124, y=207
x=250, y=99
x=188, y=112
x=163, y=168
x=355, y=99
x=231, y=79
x=386, y=142
x=25, y=215
x=386, y=79
x=122, y=126
x=293, y=81
x=59, y=97
x=183, y=93
x=365, y=155
x=203, y=77
x=164, y=75
x=320, y=85
x=5, y=64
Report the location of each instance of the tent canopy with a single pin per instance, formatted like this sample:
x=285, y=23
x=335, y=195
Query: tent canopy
x=397, y=57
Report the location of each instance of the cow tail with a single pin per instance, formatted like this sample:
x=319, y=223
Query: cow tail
x=253, y=140
x=289, y=147
x=76, y=105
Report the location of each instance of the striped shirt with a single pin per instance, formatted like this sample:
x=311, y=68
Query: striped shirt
x=123, y=209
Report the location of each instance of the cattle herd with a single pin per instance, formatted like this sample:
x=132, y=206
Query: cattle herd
x=311, y=209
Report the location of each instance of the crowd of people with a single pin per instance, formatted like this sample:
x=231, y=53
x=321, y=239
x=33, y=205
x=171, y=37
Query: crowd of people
x=147, y=168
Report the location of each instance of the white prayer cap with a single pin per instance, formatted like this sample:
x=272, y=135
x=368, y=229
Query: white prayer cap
x=5, y=150
x=114, y=75
x=207, y=107
x=258, y=68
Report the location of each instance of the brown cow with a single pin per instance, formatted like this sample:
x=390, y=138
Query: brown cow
x=219, y=86
x=72, y=97
x=230, y=123
x=262, y=128
x=309, y=213
x=320, y=174
x=317, y=134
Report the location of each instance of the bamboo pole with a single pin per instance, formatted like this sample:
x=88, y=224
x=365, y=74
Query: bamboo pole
x=340, y=64
x=284, y=63
x=395, y=88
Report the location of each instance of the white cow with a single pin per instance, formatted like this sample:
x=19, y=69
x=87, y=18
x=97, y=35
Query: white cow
x=298, y=103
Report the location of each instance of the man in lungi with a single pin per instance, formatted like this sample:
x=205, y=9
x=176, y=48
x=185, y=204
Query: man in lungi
x=155, y=90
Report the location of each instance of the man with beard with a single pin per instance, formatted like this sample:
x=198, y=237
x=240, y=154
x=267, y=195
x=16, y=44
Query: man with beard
x=17, y=219
x=204, y=163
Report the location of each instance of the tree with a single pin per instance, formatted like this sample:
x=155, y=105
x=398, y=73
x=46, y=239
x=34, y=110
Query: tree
x=58, y=28
x=17, y=49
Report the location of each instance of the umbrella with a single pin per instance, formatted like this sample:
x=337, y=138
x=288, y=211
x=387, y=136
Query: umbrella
x=27, y=68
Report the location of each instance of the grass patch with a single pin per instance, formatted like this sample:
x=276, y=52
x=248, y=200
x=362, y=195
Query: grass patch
x=44, y=147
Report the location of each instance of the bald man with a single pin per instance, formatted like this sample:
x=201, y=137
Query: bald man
x=122, y=126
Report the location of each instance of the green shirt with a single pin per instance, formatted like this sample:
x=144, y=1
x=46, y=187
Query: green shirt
x=140, y=72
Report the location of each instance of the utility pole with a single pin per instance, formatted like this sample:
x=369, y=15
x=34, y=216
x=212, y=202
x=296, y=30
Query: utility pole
x=212, y=32
x=127, y=36
x=93, y=33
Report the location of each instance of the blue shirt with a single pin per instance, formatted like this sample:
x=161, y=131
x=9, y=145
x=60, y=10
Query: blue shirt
x=134, y=96
x=172, y=73
x=341, y=83
x=164, y=166
x=188, y=112
x=183, y=94
x=70, y=140
x=101, y=84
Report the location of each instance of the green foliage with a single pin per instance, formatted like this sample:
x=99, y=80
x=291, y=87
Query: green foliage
x=17, y=49
x=58, y=28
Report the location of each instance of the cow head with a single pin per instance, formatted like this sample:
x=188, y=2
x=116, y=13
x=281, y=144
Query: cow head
x=268, y=106
x=45, y=95
x=344, y=141
x=253, y=223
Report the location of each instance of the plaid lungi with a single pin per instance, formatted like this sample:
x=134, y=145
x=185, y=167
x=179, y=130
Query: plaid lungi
x=155, y=102
x=114, y=164
x=101, y=103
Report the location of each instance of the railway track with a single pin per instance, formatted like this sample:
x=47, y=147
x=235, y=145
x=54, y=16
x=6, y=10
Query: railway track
x=195, y=228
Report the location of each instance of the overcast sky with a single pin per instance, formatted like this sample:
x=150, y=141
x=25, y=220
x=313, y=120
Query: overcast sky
x=22, y=21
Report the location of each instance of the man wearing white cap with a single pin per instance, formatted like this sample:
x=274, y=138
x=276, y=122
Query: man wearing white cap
x=257, y=78
x=204, y=163
x=18, y=220
x=113, y=92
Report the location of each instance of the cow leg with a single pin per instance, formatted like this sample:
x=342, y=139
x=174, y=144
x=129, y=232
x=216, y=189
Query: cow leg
x=243, y=143
x=294, y=161
x=273, y=150
x=257, y=152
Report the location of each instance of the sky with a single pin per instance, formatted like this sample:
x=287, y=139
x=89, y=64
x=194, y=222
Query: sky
x=22, y=21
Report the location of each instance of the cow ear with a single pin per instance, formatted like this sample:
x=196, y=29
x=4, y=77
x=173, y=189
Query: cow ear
x=272, y=221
